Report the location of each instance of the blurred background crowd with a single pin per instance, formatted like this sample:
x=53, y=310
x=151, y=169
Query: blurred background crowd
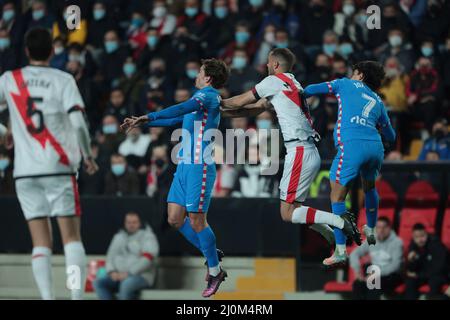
x=132, y=57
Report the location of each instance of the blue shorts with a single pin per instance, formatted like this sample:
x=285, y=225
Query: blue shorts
x=192, y=186
x=357, y=157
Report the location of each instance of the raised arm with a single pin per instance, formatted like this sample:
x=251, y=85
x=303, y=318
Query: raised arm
x=239, y=101
x=317, y=89
x=165, y=122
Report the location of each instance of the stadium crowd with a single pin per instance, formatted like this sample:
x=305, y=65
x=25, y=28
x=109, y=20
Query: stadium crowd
x=132, y=57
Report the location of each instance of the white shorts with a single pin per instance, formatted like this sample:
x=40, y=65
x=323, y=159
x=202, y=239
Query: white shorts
x=48, y=196
x=301, y=165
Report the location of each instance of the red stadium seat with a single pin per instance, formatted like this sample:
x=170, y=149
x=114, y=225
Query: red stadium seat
x=421, y=194
x=388, y=197
x=92, y=270
x=445, y=235
x=382, y=212
x=423, y=289
x=409, y=217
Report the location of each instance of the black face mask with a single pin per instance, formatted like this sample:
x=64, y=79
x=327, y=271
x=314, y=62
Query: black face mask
x=439, y=134
x=160, y=163
x=157, y=73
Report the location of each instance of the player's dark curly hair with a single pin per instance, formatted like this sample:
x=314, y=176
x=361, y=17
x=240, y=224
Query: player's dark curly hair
x=39, y=43
x=217, y=70
x=373, y=73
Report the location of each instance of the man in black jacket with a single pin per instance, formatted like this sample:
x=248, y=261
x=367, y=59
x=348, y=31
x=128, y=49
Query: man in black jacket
x=426, y=264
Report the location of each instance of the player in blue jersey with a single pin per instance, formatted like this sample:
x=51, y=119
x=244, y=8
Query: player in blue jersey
x=191, y=188
x=360, y=150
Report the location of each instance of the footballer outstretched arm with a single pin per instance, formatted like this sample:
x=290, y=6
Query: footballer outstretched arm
x=239, y=101
x=249, y=110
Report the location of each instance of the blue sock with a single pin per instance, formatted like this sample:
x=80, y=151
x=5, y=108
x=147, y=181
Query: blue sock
x=189, y=233
x=371, y=201
x=208, y=246
x=339, y=209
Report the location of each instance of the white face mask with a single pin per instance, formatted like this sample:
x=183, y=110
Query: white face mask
x=348, y=9
x=395, y=41
x=269, y=37
x=159, y=12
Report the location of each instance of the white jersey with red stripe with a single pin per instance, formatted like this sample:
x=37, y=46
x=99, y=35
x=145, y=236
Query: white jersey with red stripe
x=39, y=99
x=284, y=93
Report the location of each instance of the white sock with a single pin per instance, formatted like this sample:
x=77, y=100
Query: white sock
x=307, y=215
x=341, y=249
x=75, y=269
x=214, y=271
x=42, y=271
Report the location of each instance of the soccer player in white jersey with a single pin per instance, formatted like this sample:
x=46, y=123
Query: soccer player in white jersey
x=282, y=91
x=49, y=131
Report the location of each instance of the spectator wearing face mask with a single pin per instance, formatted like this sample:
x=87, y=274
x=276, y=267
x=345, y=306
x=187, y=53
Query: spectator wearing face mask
x=181, y=48
x=113, y=57
x=12, y=21
x=243, y=76
x=132, y=82
x=100, y=23
x=117, y=105
x=439, y=141
x=109, y=139
x=330, y=44
x=398, y=47
x=8, y=58
x=350, y=51
x=155, y=46
x=40, y=17
x=422, y=91
x=346, y=24
x=393, y=89
x=427, y=263
x=160, y=173
x=137, y=33
x=250, y=182
x=134, y=147
x=162, y=21
x=429, y=50
x=187, y=80
x=194, y=19
x=69, y=36
x=122, y=179
x=90, y=92
x=60, y=56
x=315, y=21
x=6, y=173
x=392, y=18
x=220, y=32
x=242, y=40
x=76, y=52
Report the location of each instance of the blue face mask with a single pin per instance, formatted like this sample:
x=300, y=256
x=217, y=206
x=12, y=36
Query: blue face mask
x=191, y=12
x=4, y=163
x=99, y=14
x=281, y=44
x=263, y=124
x=38, y=14
x=239, y=62
x=4, y=43
x=329, y=49
x=221, y=12
x=111, y=46
x=242, y=37
x=256, y=3
x=129, y=69
x=427, y=51
x=137, y=22
x=191, y=73
x=118, y=169
x=152, y=41
x=8, y=15
x=346, y=49
x=109, y=129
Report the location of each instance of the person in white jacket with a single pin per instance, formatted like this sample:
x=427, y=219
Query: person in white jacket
x=130, y=262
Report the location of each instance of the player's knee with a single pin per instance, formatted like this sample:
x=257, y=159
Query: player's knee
x=198, y=224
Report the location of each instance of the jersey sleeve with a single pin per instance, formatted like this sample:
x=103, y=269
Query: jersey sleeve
x=269, y=86
x=71, y=99
x=327, y=87
x=385, y=124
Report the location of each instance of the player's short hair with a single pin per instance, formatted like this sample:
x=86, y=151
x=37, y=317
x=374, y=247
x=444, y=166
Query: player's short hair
x=386, y=220
x=418, y=227
x=373, y=73
x=39, y=43
x=217, y=70
x=285, y=57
